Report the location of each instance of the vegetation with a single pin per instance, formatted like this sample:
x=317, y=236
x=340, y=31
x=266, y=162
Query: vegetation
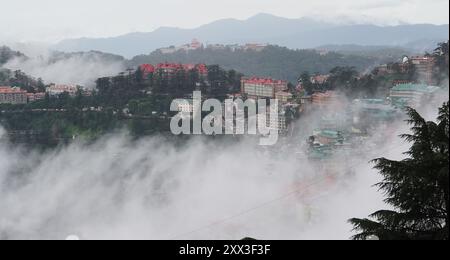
x=134, y=101
x=377, y=84
x=19, y=79
x=140, y=102
x=7, y=54
x=273, y=61
x=417, y=187
x=442, y=63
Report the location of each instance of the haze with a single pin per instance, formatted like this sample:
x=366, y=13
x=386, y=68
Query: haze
x=54, y=20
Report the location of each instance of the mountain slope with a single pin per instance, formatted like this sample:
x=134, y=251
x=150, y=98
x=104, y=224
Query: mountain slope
x=81, y=68
x=263, y=28
x=273, y=61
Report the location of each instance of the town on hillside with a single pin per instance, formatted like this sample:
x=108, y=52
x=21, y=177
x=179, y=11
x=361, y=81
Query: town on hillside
x=203, y=120
x=350, y=103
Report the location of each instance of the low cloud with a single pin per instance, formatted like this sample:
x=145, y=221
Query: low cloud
x=77, y=68
x=150, y=189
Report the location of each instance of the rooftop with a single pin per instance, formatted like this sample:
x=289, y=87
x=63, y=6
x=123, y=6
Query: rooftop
x=11, y=90
x=283, y=93
x=415, y=87
x=256, y=80
x=177, y=66
x=147, y=68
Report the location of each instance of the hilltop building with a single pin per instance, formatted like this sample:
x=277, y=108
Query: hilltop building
x=255, y=47
x=194, y=45
x=423, y=66
x=236, y=47
x=13, y=95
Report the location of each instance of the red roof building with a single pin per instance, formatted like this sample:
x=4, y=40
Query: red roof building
x=171, y=68
x=202, y=69
x=147, y=69
x=9, y=95
x=262, y=87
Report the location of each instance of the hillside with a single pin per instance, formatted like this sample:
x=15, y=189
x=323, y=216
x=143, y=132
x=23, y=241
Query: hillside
x=380, y=52
x=81, y=68
x=273, y=61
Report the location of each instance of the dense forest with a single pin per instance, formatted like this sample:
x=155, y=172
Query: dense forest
x=274, y=61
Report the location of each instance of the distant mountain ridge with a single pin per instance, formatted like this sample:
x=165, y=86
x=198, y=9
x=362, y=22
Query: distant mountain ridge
x=262, y=28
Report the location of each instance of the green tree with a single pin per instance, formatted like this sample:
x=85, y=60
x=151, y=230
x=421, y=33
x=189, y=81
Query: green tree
x=442, y=62
x=417, y=187
x=139, y=75
x=305, y=79
x=345, y=79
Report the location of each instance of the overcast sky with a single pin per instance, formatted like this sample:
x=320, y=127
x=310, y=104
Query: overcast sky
x=53, y=20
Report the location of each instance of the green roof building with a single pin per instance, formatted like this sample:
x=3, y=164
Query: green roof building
x=411, y=94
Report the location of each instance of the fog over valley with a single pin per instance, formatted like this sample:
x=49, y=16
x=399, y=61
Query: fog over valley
x=221, y=126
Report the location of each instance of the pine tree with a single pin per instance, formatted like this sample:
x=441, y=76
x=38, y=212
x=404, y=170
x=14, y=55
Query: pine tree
x=417, y=187
x=441, y=56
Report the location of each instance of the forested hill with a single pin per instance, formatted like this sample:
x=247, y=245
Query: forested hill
x=7, y=54
x=273, y=61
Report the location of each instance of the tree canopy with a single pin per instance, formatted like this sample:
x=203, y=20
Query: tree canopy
x=416, y=187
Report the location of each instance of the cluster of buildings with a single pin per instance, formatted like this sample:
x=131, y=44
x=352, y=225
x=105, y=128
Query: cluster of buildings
x=195, y=45
x=423, y=66
x=13, y=95
x=16, y=95
x=340, y=123
x=268, y=88
x=260, y=88
x=236, y=47
x=171, y=69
